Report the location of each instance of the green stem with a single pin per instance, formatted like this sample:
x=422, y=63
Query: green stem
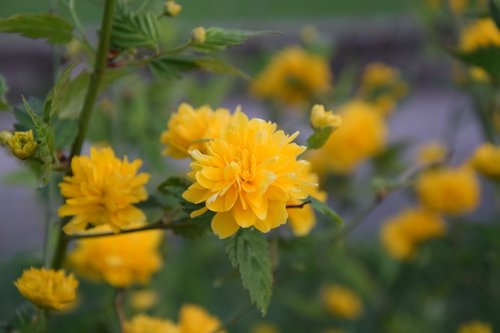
x=88, y=105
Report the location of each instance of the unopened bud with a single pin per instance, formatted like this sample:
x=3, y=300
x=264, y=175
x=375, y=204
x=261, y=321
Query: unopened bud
x=321, y=118
x=172, y=8
x=22, y=144
x=198, y=35
x=4, y=137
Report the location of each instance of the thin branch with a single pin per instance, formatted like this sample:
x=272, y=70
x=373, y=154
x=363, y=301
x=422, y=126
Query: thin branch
x=301, y=205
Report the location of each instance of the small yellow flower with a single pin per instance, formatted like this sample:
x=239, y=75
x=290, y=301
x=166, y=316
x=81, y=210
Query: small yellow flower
x=402, y=234
x=265, y=328
x=4, y=137
x=172, y=8
x=248, y=176
x=103, y=191
x=120, y=260
x=432, y=153
x=22, y=144
x=321, y=118
x=198, y=35
x=449, y=191
x=482, y=33
x=342, y=302
x=192, y=129
x=486, y=160
x=146, y=324
x=347, y=148
x=292, y=77
x=195, y=319
x=47, y=289
x=475, y=327
x=143, y=299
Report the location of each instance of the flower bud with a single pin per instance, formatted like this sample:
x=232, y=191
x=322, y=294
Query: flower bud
x=22, y=144
x=4, y=137
x=198, y=35
x=172, y=8
x=321, y=118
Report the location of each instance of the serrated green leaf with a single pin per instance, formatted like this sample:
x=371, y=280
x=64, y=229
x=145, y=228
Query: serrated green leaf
x=4, y=105
x=319, y=137
x=174, y=186
x=495, y=12
x=218, y=39
x=172, y=67
x=194, y=228
x=323, y=208
x=221, y=67
x=56, y=96
x=486, y=58
x=65, y=131
x=54, y=29
x=249, y=252
x=134, y=30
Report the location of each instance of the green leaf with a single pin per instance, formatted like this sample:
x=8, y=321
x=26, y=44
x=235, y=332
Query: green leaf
x=134, y=30
x=55, y=99
x=174, y=186
x=319, y=137
x=194, y=228
x=495, y=12
x=218, y=39
x=4, y=105
x=221, y=67
x=249, y=252
x=54, y=29
x=486, y=58
x=172, y=67
x=65, y=131
x=323, y=208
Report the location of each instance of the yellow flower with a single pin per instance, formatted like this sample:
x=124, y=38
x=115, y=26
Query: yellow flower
x=143, y=299
x=199, y=35
x=402, y=234
x=120, y=260
x=342, y=302
x=293, y=76
x=458, y=7
x=475, y=327
x=432, y=153
x=22, y=144
x=145, y=324
x=478, y=74
x=172, y=8
x=321, y=118
x=103, y=191
x=195, y=319
x=265, y=328
x=449, y=191
x=482, y=33
x=192, y=129
x=47, y=289
x=486, y=160
x=347, y=148
x=248, y=175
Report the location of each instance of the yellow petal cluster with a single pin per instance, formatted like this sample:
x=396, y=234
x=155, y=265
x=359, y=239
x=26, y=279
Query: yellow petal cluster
x=192, y=129
x=143, y=299
x=482, y=33
x=449, y=191
x=361, y=136
x=342, y=302
x=120, y=260
x=475, y=327
x=486, y=160
x=102, y=191
x=292, y=77
x=401, y=235
x=47, y=289
x=22, y=144
x=248, y=176
x=432, y=153
x=321, y=118
x=146, y=324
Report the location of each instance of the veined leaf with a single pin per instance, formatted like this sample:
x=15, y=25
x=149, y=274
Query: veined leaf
x=219, y=39
x=4, y=105
x=54, y=29
x=221, y=67
x=172, y=67
x=174, y=186
x=133, y=30
x=249, y=252
x=323, y=208
x=319, y=137
x=56, y=96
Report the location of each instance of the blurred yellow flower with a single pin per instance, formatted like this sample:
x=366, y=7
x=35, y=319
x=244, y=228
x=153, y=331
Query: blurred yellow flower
x=449, y=191
x=347, y=148
x=103, y=191
x=475, y=327
x=482, y=33
x=342, y=302
x=22, y=144
x=146, y=324
x=120, y=260
x=172, y=8
x=479, y=75
x=486, y=160
x=401, y=235
x=321, y=118
x=432, y=153
x=293, y=76
x=195, y=319
x=47, y=289
x=192, y=129
x=458, y=7
x=248, y=176
x=265, y=328
x=199, y=35
x=143, y=299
